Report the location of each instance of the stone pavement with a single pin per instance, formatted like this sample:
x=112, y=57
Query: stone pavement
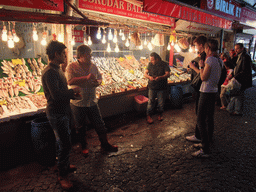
x=155, y=157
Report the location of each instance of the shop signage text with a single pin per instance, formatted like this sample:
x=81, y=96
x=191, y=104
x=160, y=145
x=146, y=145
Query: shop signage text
x=123, y=8
x=56, y=5
x=182, y=12
x=79, y=36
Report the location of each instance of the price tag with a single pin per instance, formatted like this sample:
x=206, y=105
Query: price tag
x=121, y=59
x=131, y=71
x=176, y=74
x=22, y=83
x=129, y=57
x=130, y=82
x=3, y=102
x=40, y=93
x=17, y=61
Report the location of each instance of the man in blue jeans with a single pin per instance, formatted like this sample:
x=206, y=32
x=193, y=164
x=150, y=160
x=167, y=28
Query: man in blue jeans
x=157, y=73
x=58, y=109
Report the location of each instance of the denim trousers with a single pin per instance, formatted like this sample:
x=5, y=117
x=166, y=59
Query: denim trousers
x=152, y=95
x=205, y=118
x=61, y=126
x=95, y=118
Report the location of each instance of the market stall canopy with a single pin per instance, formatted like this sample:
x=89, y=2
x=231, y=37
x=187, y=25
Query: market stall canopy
x=186, y=26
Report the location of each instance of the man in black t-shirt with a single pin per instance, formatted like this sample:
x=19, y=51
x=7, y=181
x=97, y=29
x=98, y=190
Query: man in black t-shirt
x=157, y=73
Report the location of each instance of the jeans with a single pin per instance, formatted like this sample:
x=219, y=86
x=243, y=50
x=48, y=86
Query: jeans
x=94, y=115
x=60, y=125
x=152, y=95
x=205, y=118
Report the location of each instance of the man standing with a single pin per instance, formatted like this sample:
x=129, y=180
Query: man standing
x=199, y=43
x=58, y=107
x=84, y=74
x=157, y=73
x=243, y=74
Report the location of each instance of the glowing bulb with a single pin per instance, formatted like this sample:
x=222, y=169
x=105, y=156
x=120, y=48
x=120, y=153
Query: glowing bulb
x=190, y=49
x=10, y=43
x=16, y=39
x=120, y=32
x=73, y=41
x=85, y=41
x=108, y=48
x=104, y=39
x=110, y=35
x=127, y=44
x=35, y=36
x=129, y=36
x=89, y=40
x=176, y=46
x=123, y=37
x=145, y=42
x=172, y=44
x=116, y=48
x=98, y=36
x=196, y=50
x=169, y=47
x=43, y=42
x=4, y=33
x=60, y=38
x=115, y=39
x=141, y=46
x=150, y=46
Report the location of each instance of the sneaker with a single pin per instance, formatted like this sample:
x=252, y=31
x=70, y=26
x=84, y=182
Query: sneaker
x=198, y=145
x=200, y=154
x=85, y=152
x=160, y=118
x=65, y=183
x=149, y=120
x=193, y=138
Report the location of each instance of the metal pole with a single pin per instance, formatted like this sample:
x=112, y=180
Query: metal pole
x=221, y=39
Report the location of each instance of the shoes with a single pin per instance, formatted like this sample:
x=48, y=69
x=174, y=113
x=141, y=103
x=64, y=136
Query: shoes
x=236, y=114
x=198, y=145
x=65, y=183
x=72, y=168
x=109, y=148
x=223, y=107
x=149, y=120
x=200, y=154
x=160, y=118
x=85, y=152
x=193, y=138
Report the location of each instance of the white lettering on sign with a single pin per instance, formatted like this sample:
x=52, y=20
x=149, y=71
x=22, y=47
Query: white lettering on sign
x=225, y=6
x=238, y=11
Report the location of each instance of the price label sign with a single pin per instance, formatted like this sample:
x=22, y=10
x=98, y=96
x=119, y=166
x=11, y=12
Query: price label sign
x=17, y=61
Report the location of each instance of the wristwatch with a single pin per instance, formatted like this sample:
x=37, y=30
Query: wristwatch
x=201, y=67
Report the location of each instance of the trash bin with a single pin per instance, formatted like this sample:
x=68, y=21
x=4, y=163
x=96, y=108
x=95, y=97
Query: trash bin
x=43, y=140
x=176, y=96
x=141, y=103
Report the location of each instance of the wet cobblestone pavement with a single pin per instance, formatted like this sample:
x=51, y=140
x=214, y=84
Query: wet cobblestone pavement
x=155, y=158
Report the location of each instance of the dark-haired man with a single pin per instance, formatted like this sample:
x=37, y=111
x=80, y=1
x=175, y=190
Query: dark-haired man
x=58, y=107
x=157, y=73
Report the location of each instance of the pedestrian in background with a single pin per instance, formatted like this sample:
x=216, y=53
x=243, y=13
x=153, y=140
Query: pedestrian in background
x=85, y=75
x=233, y=57
x=58, y=107
x=157, y=73
x=210, y=72
x=199, y=43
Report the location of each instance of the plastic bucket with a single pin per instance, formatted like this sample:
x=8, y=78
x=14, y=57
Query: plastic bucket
x=141, y=103
x=43, y=140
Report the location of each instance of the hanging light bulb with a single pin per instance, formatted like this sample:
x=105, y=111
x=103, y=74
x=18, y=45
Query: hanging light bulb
x=196, y=50
x=16, y=39
x=116, y=48
x=35, y=36
x=141, y=46
x=10, y=40
x=123, y=37
x=145, y=42
x=169, y=47
x=60, y=38
x=110, y=35
x=176, y=46
x=98, y=36
x=150, y=46
x=172, y=44
x=104, y=39
x=73, y=41
x=120, y=32
x=108, y=48
x=115, y=36
x=190, y=49
x=129, y=36
x=43, y=42
x=89, y=40
x=85, y=41
x=127, y=44
x=4, y=34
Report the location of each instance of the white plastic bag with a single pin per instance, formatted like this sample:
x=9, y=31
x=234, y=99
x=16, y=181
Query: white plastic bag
x=233, y=84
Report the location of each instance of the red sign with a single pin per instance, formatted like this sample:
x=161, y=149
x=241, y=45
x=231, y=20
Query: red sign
x=56, y=5
x=247, y=15
x=227, y=8
x=186, y=13
x=79, y=36
x=123, y=8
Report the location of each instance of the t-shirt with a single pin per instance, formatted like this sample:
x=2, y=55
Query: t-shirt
x=211, y=85
x=157, y=70
x=229, y=71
